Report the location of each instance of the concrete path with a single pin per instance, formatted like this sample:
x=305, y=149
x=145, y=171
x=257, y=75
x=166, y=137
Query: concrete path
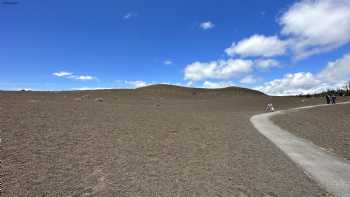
x=330, y=172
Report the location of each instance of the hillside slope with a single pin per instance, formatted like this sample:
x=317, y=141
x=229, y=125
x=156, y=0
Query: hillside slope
x=171, y=90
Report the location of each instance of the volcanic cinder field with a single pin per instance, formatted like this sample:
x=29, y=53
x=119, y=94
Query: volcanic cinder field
x=154, y=141
x=327, y=127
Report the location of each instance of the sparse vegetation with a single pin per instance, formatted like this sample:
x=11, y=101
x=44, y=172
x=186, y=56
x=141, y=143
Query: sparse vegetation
x=344, y=91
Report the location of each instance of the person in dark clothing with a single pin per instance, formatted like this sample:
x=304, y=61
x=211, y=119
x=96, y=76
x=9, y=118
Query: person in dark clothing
x=328, y=99
x=333, y=99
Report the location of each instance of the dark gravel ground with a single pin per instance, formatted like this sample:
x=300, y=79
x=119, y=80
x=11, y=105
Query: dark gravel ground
x=327, y=127
x=137, y=144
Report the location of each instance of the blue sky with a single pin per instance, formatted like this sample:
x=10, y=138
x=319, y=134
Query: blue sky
x=65, y=45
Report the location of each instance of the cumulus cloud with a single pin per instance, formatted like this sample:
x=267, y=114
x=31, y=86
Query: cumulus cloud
x=258, y=45
x=332, y=76
x=168, y=62
x=266, y=63
x=62, y=74
x=213, y=85
x=249, y=79
x=309, y=27
x=316, y=26
x=221, y=69
x=69, y=75
x=207, y=25
x=84, y=77
x=338, y=70
x=292, y=84
x=136, y=84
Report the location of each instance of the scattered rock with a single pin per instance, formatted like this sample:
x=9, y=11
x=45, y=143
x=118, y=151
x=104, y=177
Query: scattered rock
x=329, y=195
x=100, y=99
x=242, y=194
x=85, y=97
x=270, y=194
x=328, y=149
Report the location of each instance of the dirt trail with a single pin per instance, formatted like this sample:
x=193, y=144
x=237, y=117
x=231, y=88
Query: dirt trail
x=329, y=171
x=327, y=127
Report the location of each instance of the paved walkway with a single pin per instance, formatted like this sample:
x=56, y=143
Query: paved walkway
x=330, y=172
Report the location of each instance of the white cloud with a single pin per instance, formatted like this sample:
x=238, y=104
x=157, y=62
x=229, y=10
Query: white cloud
x=266, y=63
x=336, y=71
x=292, y=84
x=258, y=45
x=69, y=75
x=136, y=84
x=207, y=25
x=249, y=79
x=119, y=84
x=62, y=74
x=84, y=77
x=213, y=85
x=94, y=88
x=129, y=15
x=332, y=76
x=168, y=62
x=316, y=26
x=221, y=69
x=189, y=84
x=25, y=89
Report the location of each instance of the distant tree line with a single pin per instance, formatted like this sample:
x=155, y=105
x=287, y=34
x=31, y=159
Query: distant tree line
x=344, y=91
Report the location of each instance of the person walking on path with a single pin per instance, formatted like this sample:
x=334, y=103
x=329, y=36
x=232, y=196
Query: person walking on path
x=269, y=108
x=333, y=99
x=328, y=99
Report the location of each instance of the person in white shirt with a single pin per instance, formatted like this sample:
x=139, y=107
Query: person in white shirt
x=269, y=108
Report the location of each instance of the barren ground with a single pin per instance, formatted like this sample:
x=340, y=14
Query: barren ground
x=328, y=127
x=137, y=143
